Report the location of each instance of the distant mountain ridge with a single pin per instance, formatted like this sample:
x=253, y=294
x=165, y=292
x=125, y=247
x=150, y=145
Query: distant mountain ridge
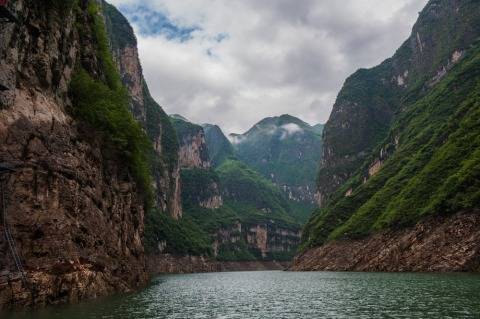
x=285, y=150
x=231, y=212
x=219, y=147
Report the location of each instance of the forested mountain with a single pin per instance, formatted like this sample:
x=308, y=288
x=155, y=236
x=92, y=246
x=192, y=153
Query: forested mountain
x=285, y=150
x=231, y=213
x=401, y=147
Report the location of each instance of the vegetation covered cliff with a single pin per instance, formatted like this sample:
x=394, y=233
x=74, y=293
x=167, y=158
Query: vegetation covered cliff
x=91, y=154
x=231, y=213
x=401, y=147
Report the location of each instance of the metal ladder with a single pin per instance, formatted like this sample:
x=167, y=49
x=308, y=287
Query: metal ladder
x=9, y=237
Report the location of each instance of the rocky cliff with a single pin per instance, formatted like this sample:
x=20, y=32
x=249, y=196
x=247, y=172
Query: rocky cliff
x=75, y=201
x=200, y=184
x=193, y=151
x=436, y=244
x=401, y=155
x=172, y=264
x=166, y=170
x=260, y=240
x=258, y=223
x=371, y=98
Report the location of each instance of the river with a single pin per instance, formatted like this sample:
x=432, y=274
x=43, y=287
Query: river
x=277, y=294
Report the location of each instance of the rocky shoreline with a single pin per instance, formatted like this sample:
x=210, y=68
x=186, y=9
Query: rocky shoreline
x=171, y=264
x=437, y=244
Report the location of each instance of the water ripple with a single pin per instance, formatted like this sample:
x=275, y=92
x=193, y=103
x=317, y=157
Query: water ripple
x=286, y=295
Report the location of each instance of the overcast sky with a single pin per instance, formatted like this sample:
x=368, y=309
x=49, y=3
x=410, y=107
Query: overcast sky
x=234, y=62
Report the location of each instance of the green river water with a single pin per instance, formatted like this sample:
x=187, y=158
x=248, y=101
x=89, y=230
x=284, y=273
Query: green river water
x=277, y=294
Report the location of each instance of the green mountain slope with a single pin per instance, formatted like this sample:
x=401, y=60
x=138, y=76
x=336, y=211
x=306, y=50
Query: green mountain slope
x=251, y=195
x=230, y=212
x=370, y=99
x=429, y=163
x=285, y=150
x=219, y=147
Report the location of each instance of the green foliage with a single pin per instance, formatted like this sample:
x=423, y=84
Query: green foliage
x=219, y=147
x=112, y=76
x=251, y=193
x=371, y=99
x=238, y=251
x=249, y=199
x=106, y=111
x=198, y=185
x=211, y=220
x=184, y=128
x=182, y=237
x=289, y=157
x=434, y=170
x=159, y=125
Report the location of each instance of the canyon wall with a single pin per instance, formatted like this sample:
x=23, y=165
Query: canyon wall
x=398, y=182
x=200, y=184
x=171, y=264
x=74, y=207
x=371, y=98
x=265, y=240
x=146, y=111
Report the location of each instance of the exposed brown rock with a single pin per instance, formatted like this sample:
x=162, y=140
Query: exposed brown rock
x=264, y=237
x=193, y=151
x=171, y=264
x=437, y=244
x=75, y=215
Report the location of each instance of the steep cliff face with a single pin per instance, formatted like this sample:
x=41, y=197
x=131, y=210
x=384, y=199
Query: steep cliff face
x=424, y=168
x=73, y=210
x=369, y=99
x=200, y=184
x=166, y=169
x=256, y=241
x=258, y=223
x=201, y=188
x=193, y=151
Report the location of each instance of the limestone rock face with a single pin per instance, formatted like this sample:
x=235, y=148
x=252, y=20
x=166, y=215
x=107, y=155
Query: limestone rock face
x=265, y=238
x=193, y=153
x=146, y=111
x=200, y=184
x=447, y=244
x=76, y=217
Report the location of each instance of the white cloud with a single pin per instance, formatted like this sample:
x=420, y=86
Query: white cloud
x=281, y=56
x=290, y=129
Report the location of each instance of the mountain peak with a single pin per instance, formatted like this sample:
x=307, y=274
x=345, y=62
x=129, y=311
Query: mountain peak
x=178, y=117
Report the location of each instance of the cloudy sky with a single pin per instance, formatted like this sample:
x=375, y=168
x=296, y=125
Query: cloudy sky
x=234, y=62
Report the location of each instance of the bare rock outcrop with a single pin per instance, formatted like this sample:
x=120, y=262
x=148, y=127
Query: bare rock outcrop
x=75, y=215
x=435, y=244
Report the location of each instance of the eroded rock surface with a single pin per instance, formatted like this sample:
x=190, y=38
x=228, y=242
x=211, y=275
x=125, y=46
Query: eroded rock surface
x=436, y=244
